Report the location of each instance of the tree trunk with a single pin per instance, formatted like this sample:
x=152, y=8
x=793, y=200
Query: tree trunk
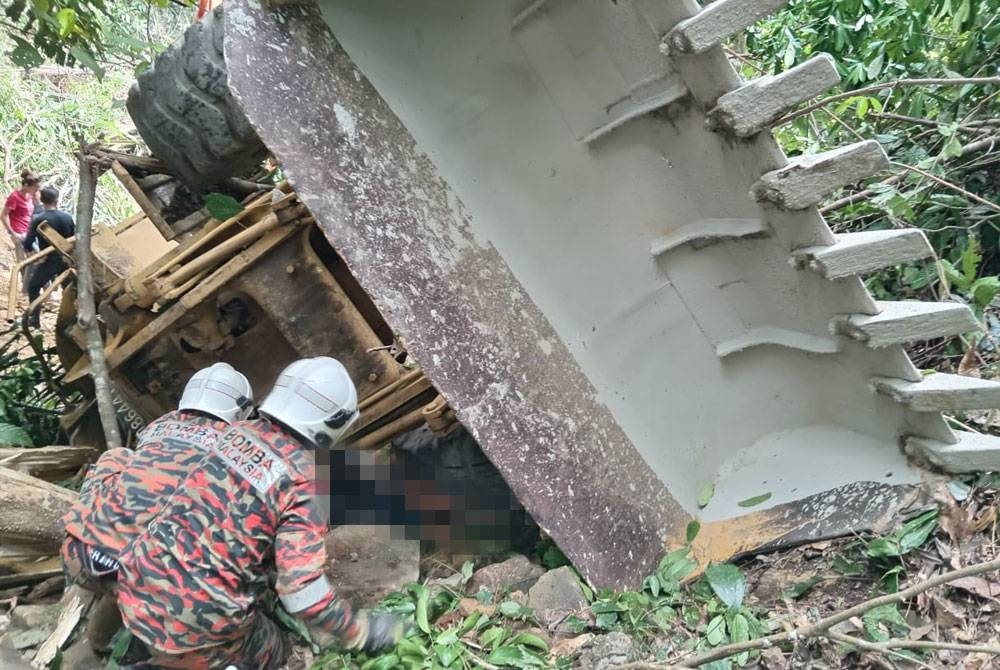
x=31, y=508
x=48, y=463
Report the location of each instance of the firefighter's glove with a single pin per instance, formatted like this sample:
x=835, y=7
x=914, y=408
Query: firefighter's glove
x=385, y=631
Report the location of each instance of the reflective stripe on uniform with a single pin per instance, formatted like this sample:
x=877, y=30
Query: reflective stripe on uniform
x=306, y=597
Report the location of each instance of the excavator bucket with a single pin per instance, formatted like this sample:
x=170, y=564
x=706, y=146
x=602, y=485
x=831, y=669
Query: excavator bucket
x=574, y=215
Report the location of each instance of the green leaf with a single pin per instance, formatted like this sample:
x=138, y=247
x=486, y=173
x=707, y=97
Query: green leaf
x=916, y=531
x=952, y=148
x=24, y=54
x=470, y=622
x=466, y=571
x=516, y=657
x=715, y=632
x=913, y=534
x=705, y=494
x=727, y=582
x=674, y=567
x=554, y=557
x=446, y=654
x=692, y=531
x=653, y=584
x=492, y=637
x=847, y=567
x=739, y=631
x=512, y=609
x=14, y=435
x=88, y=60
x=66, y=18
x=954, y=277
x=222, y=206
x=423, y=604
x=884, y=622
x=799, y=589
x=875, y=66
x=756, y=500
x=607, y=620
x=119, y=646
x=984, y=289
x=970, y=260
x=387, y=662
x=529, y=640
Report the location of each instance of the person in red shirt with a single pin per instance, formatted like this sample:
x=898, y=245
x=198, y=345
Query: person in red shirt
x=17, y=211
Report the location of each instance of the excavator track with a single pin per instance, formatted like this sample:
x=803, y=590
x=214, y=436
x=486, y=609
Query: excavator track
x=576, y=217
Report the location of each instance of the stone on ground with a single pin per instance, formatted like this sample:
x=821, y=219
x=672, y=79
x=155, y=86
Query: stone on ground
x=517, y=573
x=365, y=563
x=557, y=589
x=609, y=651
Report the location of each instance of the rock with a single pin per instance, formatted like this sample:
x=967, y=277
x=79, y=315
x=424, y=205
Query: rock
x=79, y=656
x=467, y=606
x=609, y=651
x=365, y=563
x=516, y=573
x=34, y=617
x=557, y=589
x=452, y=584
x=571, y=647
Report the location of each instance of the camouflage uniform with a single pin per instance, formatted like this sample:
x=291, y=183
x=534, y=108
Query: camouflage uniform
x=245, y=522
x=125, y=488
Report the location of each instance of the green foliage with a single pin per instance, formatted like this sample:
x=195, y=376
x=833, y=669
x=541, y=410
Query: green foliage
x=29, y=409
x=946, y=131
x=39, y=117
x=222, y=206
x=728, y=583
x=908, y=537
x=87, y=33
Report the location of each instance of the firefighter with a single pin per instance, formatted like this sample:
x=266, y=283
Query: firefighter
x=245, y=524
x=124, y=488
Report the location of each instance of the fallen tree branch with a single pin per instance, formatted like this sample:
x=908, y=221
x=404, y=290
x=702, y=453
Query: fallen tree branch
x=868, y=193
x=821, y=628
x=892, y=85
x=32, y=509
x=48, y=463
x=954, y=187
x=873, y=647
x=86, y=309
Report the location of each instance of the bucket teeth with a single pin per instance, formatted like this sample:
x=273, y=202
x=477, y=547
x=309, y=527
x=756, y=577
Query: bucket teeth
x=717, y=22
x=860, y=253
x=706, y=229
x=808, y=179
x=941, y=392
x=901, y=322
x=756, y=105
x=973, y=452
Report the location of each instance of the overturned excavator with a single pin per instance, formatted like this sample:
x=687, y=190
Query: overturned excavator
x=573, y=216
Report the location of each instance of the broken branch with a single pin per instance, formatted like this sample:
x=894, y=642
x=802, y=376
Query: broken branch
x=821, y=629
x=892, y=85
x=86, y=309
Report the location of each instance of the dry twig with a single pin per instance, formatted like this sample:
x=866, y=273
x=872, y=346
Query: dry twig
x=821, y=628
x=899, y=83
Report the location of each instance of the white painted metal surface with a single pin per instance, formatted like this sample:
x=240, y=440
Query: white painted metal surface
x=501, y=108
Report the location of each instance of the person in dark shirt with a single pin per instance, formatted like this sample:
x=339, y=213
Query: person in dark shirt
x=52, y=265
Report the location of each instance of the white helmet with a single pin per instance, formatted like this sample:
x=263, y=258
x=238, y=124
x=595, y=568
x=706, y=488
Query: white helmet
x=219, y=390
x=316, y=398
